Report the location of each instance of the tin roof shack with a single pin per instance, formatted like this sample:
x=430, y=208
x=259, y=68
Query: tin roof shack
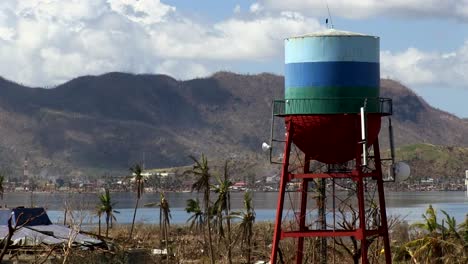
x=36, y=228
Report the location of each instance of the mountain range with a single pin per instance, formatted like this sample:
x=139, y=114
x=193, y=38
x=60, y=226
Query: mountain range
x=97, y=124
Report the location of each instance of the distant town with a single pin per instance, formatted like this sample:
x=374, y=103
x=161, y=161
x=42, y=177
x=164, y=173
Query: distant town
x=169, y=180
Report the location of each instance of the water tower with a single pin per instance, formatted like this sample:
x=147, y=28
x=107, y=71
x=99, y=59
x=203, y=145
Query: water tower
x=332, y=114
x=466, y=181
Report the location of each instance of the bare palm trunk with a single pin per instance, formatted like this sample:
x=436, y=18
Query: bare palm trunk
x=210, y=242
x=228, y=225
x=161, y=230
x=208, y=223
x=65, y=216
x=166, y=238
x=99, y=226
x=249, y=249
x=134, y=216
x=219, y=219
x=107, y=225
x=229, y=246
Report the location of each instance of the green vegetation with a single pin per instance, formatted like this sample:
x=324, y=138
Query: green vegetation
x=437, y=242
x=106, y=206
x=196, y=219
x=434, y=161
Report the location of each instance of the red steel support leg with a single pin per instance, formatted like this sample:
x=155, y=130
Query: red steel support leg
x=283, y=181
x=362, y=207
x=383, y=212
x=362, y=221
x=302, y=216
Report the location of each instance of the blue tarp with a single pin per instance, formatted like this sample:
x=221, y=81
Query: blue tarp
x=31, y=216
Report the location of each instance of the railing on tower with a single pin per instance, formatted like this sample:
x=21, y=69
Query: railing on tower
x=378, y=105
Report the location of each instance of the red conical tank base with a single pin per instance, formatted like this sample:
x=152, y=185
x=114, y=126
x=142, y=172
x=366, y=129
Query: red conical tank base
x=332, y=138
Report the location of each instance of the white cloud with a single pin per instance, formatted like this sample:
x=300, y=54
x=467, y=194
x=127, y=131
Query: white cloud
x=46, y=42
x=234, y=39
x=6, y=33
x=143, y=11
x=61, y=65
x=366, y=8
x=185, y=69
x=237, y=9
x=418, y=68
x=70, y=11
x=256, y=8
x=409, y=66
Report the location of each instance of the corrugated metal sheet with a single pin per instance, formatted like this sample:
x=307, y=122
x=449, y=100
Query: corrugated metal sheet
x=39, y=229
x=27, y=237
x=63, y=232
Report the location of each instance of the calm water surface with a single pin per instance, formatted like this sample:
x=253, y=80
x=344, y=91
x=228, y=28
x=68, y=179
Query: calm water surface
x=409, y=205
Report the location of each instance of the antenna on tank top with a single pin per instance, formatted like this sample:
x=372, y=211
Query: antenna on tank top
x=329, y=18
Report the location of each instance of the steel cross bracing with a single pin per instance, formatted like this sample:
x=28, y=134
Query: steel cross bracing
x=357, y=175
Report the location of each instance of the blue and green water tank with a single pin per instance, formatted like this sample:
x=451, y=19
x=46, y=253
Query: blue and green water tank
x=329, y=76
x=334, y=70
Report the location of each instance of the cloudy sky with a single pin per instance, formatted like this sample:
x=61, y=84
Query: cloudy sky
x=424, y=43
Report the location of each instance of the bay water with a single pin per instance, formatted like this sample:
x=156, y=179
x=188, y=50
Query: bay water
x=408, y=206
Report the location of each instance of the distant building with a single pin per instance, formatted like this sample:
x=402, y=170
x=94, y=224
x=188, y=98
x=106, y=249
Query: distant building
x=272, y=179
x=239, y=186
x=427, y=181
x=466, y=181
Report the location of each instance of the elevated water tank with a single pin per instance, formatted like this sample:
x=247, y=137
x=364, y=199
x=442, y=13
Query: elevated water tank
x=328, y=76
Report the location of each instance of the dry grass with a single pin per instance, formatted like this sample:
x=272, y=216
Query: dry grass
x=186, y=246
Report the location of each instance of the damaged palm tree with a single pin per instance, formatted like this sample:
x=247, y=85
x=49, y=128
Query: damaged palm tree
x=223, y=209
x=247, y=220
x=201, y=171
x=164, y=218
x=136, y=170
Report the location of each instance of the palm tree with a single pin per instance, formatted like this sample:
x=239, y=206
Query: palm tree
x=164, y=221
x=223, y=204
x=99, y=214
x=463, y=227
x=201, y=171
x=2, y=180
x=136, y=170
x=436, y=243
x=164, y=216
x=196, y=220
x=106, y=206
x=247, y=218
